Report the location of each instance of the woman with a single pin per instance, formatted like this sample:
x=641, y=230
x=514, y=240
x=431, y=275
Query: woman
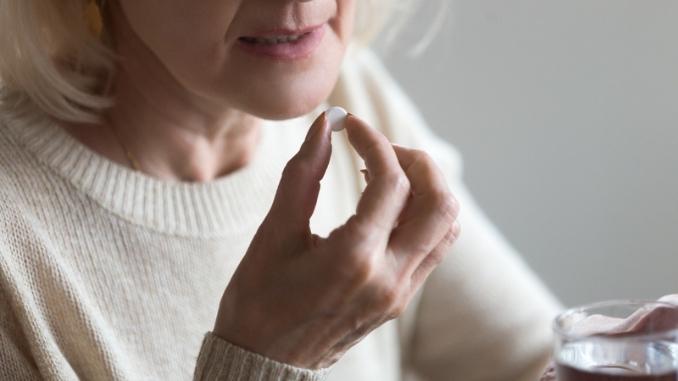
x=154, y=198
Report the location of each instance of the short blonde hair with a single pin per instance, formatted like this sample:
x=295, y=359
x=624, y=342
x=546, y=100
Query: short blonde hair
x=50, y=58
x=53, y=56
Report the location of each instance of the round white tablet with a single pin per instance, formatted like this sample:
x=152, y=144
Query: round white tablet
x=336, y=117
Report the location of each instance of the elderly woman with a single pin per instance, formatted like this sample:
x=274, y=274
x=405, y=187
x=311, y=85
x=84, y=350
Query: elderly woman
x=158, y=219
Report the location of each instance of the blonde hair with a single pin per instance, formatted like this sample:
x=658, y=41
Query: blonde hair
x=53, y=55
x=49, y=57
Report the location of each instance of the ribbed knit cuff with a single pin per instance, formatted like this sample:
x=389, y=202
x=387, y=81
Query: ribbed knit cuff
x=221, y=360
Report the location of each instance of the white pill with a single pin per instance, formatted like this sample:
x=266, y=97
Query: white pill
x=336, y=116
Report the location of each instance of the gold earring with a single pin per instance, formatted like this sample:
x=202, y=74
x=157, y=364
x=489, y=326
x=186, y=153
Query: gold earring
x=95, y=21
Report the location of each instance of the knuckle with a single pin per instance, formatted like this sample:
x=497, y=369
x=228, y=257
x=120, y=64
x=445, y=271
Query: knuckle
x=426, y=268
x=361, y=267
x=388, y=298
x=422, y=161
x=357, y=232
x=455, y=232
x=422, y=157
x=398, y=310
x=454, y=204
x=398, y=182
x=391, y=300
x=445, y=205
x=355, y=254
x=451, y=236
x=296, y=167
x=436, y=258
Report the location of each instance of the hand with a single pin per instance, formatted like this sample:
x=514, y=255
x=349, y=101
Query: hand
x=657, y=318
x=304, y=300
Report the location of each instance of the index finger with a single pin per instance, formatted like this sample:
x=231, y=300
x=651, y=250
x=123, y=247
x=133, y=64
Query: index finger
x=386, y=194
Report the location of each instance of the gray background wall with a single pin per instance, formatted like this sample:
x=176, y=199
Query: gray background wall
x=567, y=115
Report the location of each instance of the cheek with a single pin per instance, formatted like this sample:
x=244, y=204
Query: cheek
x=185, y=36
x=346, y=19
x=175, y=25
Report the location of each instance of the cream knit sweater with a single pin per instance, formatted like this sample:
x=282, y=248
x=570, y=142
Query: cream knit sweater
x=109, y=274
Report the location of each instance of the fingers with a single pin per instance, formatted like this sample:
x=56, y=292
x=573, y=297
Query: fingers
x=297, y=193
x=430, y=262
x=386, y=193
x=428, y=220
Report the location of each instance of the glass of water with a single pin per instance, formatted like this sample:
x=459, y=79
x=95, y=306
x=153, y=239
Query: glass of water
x=618, y=341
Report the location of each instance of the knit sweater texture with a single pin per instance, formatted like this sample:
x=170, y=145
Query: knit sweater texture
x=109, y=274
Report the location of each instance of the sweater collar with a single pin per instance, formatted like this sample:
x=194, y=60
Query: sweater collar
x=229, y=205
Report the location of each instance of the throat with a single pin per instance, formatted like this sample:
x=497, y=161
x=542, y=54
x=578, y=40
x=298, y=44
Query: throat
x=203, y=160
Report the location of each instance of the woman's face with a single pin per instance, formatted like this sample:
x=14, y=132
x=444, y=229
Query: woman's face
x=270, y=58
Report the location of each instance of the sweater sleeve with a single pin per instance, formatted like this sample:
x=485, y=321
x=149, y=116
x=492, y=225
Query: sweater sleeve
x=221, y=360
x=218, y=359
x=482, y=315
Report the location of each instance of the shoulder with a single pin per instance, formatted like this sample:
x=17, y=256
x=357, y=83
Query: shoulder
x=15, y=163
x=14, y=212
x=367, y=89
x=21, y=191
x=13, y=222
x=15, y=127
x=25, y=208
x=9, y=162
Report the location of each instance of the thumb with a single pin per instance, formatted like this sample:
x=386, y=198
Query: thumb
x=299, y=186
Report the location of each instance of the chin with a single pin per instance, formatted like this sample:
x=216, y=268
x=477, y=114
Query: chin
x=281, y=90
x=274, y=109
x=286, y=100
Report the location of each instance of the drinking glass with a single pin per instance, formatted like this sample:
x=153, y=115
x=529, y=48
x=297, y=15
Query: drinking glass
x=628, y=340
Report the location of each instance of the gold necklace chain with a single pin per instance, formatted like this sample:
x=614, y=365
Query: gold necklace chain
x=132, y=160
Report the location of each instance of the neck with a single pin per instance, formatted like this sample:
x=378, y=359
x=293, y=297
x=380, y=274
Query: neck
x=174, y=140
x=171, y=132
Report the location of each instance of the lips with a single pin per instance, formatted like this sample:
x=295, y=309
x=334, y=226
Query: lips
x=278, y=35
x=284, y=44
x=272, y=40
